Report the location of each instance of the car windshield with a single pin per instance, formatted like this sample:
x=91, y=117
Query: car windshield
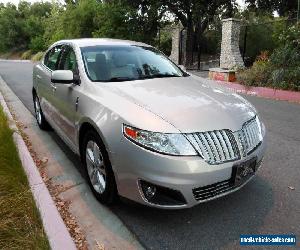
x=127, y=63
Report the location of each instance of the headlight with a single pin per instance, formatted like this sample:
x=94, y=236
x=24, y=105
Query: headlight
x=172, y=144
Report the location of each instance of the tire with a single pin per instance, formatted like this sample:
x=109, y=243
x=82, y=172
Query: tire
x=98, y=168
x=39, y=116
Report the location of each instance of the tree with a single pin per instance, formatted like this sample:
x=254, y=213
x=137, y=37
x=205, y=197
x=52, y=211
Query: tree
x=146, y=18
x=22, y=28
x=286, y=8
x=195, y=15
x=11, y=32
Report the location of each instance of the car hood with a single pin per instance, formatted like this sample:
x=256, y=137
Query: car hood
x=188, y=103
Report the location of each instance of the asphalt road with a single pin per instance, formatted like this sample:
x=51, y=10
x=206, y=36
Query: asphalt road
x=267, y=205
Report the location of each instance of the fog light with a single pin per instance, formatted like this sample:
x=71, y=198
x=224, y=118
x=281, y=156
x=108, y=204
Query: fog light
x=159, y=195
x=149, y=190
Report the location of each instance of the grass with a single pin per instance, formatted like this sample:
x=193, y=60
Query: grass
x=20, y=223
x=37, y=57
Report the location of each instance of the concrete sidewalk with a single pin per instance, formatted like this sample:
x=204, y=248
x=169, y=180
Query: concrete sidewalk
x=101, y=227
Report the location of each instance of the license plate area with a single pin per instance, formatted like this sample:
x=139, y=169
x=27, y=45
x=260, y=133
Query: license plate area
x=243, y=171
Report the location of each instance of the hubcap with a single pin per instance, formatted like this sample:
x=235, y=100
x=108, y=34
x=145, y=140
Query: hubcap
x=95, y=167
x=38, y=111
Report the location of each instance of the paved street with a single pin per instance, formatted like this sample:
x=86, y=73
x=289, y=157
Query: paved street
x=265, y=205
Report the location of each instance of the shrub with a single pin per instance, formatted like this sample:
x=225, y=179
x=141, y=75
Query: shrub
x=37, y=44
x=281, y=70
x=38, y=56
x=286, y=61
x=286, y=56
x=257, y=75
x=26, y=55
x=291, y=35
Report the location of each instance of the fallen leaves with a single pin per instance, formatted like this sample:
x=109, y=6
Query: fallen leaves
x=99, y=246
x=63, y=206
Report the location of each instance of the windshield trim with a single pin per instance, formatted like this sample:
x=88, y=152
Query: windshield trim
x=184, y=74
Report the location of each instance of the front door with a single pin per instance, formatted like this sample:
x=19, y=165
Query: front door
x=45, y=87
x=66, y=98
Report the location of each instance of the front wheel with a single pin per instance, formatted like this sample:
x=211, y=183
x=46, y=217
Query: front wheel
x=98, y=168
x=40, y=118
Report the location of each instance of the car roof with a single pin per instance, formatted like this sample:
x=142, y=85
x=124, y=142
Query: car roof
x=86, y=42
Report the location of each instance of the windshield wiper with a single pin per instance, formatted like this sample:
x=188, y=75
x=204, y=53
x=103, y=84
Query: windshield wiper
x=120, y=79
x=158, y=76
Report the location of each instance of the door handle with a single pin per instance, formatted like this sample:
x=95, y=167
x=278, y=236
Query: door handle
x=53, y=87
x=38, y=76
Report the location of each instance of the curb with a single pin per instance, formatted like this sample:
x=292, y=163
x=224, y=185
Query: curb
x=14, y=60
x=277, y=94
x=57, y=232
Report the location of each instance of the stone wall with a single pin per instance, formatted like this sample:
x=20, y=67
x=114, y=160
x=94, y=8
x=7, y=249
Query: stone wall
x=230, y=53
x=176, y=33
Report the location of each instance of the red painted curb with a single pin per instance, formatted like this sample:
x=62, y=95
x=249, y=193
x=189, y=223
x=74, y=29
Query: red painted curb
x=278, y=94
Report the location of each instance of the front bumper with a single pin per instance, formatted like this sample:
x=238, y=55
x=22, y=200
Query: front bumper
x=181, y=173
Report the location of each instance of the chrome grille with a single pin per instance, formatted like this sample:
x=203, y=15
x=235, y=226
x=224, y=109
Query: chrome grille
x=210, y=191
x=250, y=136
x=215, y=146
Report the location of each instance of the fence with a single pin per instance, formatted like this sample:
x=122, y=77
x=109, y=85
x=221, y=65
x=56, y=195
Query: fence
x=254, y=39
x=206, y=49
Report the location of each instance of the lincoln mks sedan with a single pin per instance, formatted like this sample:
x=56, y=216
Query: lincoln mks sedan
x=144, y=128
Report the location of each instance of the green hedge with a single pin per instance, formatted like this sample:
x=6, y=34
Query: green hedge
x=281, y=69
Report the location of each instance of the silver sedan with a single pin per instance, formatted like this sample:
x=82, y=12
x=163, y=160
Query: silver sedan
x=144, y=128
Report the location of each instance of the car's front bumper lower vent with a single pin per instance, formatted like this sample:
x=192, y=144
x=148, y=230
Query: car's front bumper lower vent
x=210, y=191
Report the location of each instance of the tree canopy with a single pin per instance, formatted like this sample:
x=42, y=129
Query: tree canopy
x=34, y=26
x=282, y=7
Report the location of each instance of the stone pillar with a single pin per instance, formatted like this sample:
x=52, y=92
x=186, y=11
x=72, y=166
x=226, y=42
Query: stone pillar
x=176, y=44
x=230, y=52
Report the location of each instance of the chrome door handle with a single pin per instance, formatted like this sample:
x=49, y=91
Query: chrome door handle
x=53, y=87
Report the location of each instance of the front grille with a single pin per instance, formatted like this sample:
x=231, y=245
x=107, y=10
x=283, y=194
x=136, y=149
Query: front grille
x=215, y=146
x=210, y=191
x=221, y=146
x=250, y=136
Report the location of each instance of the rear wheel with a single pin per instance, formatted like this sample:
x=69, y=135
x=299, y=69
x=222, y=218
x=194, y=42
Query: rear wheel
x=98, y=168
x=40, y=118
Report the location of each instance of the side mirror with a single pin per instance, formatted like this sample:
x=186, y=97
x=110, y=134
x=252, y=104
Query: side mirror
x=182, y=68
x=62, y=76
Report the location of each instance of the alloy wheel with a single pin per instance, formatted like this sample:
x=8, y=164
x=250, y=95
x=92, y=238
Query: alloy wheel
x=95, y=167
x=38, y=113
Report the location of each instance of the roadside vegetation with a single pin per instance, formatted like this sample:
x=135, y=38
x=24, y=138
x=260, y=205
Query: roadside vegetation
x=279, y=69
x=27, y=30
x=20, y=223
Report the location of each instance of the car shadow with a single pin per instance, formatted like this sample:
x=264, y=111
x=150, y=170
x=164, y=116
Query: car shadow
x=74, y=158
x=209, y=225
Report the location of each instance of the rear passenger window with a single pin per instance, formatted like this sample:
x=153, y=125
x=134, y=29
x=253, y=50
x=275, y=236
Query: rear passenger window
x=52, y=57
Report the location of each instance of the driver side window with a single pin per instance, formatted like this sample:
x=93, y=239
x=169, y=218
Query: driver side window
x=52, y=57
x=68, y=61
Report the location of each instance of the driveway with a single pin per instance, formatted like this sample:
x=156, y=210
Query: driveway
x=268, y=204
